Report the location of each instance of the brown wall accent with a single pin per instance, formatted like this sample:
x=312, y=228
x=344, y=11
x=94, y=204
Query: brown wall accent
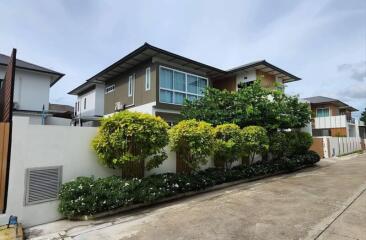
x=225, y=83
x=133, y=169
x=120, y=94
x=338, y=132
x=334, y=110
x=267, y=80
x=318, y=147
x=181, y=166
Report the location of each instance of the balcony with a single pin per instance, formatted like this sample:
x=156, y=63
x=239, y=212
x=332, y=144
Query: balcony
x=340, y=121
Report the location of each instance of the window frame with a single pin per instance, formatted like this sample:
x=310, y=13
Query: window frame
x=110, y=88
x=131, y=85
x=147, y=79
x=322, y=108
x=186, y=93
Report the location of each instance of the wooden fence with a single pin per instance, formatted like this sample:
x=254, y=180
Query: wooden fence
x=6, y=109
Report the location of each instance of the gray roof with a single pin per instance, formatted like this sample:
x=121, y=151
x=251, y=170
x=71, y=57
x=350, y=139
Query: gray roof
x=321, y=99
x=148, y=51
x=4, y=60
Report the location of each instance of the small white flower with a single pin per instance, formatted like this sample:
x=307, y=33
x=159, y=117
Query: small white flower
x=176, y=185
x=127, y=184
x=80, y=186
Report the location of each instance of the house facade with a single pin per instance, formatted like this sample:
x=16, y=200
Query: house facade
x=332, y=117
x=155, y=81
x=32, y=85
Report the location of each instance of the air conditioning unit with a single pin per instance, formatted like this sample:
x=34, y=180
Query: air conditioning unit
x=15, y=105
x=118, y=106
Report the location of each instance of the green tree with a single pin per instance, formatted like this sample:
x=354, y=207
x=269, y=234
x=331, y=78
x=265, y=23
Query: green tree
x=252, y=105
x=288, y=144
x=255, y=141
x=193, y=140
x=363, y=116
x=228, y=146
x=130, y=137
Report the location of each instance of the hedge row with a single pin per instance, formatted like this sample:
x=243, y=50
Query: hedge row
x=87, y=195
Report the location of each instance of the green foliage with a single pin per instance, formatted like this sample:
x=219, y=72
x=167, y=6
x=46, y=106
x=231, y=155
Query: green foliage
x=193, y=141
x=130, y=136
x=228, y=146
x=252, y=105
x=255, y=141
x=363, y=116
x=287, y=144
x=87, y=195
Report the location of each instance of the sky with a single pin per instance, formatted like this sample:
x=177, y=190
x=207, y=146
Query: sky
x=323, y=42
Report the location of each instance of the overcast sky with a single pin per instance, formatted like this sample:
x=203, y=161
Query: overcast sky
x=322, y=42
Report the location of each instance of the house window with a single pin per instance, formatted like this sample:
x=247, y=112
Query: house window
x=322, y=112
x=84, y=103
x=110, y=88
x=131, y=80
x=78, y=106
x=175, y=86
x=147, y=79
x=1, y=83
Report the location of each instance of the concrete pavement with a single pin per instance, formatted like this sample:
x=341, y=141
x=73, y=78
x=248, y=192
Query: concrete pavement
x=324, y=202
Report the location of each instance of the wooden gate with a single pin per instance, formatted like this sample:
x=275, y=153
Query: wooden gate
x=6, y=109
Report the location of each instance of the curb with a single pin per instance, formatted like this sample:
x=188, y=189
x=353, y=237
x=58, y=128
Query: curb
x=181, y=196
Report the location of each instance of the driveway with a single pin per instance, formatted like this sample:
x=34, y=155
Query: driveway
x=324, y=202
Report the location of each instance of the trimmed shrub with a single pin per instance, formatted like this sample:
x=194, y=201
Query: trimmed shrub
x=228, y=144
x=87, y=195
x=129, y=137
x=193, y=141
x=255, y=141
x=287, y=144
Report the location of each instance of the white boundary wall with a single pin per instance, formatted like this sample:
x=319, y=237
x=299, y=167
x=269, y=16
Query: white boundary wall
x=47, y=146
x=342, y=145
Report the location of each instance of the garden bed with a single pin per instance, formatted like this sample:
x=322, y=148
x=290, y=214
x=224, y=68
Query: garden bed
x=87, y=198
x=180, y=196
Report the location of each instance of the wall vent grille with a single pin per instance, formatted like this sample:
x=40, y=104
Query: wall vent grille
x=42, y=184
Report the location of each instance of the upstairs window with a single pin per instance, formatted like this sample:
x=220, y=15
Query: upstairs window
x=175, y=86
x=322, y=112
x=147, y=79
x=84, y=103
x=110, y=88
x=131, y=84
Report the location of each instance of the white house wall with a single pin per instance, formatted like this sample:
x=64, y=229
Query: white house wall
x=250, y=76
x=94, y=102
x=31, y=89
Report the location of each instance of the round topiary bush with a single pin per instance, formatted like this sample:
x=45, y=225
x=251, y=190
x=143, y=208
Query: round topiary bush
x=228, y=144
x=255, y=141
x=193, y=140
x=131, y=137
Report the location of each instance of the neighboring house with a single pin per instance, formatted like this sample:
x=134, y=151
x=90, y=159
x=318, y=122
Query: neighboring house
x=156, y=81
x=32, y=85
x=332, y=117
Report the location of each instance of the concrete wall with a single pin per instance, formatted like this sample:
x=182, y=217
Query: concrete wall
x=47, y=146
x=42, y=146
x=31, y=89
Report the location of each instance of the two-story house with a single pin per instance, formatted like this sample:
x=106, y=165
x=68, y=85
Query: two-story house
x=332, y=117
x=32, y=85
x=155, y=81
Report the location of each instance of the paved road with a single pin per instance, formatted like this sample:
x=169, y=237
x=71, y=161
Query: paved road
x=325, y=202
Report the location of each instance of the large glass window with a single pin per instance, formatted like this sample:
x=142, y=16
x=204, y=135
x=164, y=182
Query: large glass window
x=176, y=85
x=322, y=112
